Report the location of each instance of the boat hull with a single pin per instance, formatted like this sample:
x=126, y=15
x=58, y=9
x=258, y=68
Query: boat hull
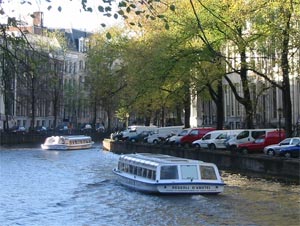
x=169, y=188
x=65, y=147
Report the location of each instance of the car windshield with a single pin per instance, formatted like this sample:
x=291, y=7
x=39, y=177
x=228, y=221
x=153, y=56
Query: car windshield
x=285, y=142
x=183, y=132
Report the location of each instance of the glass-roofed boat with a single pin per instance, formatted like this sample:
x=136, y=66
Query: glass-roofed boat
x=158, y=173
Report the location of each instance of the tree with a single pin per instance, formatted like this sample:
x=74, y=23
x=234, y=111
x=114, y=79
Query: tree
x=279, y=23
x=106, y=78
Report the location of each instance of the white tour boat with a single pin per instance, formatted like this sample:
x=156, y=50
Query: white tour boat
x=157, y=173
x=67, y=142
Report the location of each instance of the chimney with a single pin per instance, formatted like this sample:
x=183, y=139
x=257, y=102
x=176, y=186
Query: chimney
x=38, y=19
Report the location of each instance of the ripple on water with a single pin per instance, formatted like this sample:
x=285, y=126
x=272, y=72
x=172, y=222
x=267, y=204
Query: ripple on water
x=78, y=188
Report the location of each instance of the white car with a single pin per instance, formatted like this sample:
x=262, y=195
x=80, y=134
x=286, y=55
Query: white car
x=274, y=149
x=208, y=139
x=216, y=139
x=176, y=138
x=153, y=139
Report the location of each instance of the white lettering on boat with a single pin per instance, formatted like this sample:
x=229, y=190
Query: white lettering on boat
x=192, y=187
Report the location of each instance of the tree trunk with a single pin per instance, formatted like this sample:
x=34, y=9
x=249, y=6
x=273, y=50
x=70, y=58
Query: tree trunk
x=178, y=116
x=286, y=94
x=187, y=108
x=220, y=106
x=95, y=113
x=246, y=100
x=32, y=123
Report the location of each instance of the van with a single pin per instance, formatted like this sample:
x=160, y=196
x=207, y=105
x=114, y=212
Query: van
x=206, y=139
x=174, y=140
x=134, y=130
x=162, y=133
x=258, y=145
x=194, y=134
x=215, y=139
x=247, y=135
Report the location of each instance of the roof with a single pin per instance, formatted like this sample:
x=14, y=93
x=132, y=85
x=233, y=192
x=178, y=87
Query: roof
x=159, y=158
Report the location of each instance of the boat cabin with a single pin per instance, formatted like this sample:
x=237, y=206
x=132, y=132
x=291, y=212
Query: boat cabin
x=157, y=167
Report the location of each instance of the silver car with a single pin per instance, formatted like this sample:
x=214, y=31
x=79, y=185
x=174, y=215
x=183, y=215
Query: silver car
x=275, y=148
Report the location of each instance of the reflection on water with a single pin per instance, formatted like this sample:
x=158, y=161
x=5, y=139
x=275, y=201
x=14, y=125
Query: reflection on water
x=78, y=188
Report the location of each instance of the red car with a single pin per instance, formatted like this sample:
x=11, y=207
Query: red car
x=260, y=143
x=194, y=134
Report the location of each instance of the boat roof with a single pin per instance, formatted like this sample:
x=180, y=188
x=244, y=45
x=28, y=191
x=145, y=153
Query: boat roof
x=158, y=159
x=74, y=137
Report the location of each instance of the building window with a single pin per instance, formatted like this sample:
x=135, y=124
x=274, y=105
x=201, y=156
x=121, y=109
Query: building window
x=70, y=67
x=74, y=69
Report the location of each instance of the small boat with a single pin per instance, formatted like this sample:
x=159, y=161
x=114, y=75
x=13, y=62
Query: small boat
x=67, y=142
x=158, y=173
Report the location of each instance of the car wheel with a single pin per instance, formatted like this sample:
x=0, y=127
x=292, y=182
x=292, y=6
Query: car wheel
x=197, y=146
x=287, y=155
x=244, y=151
x=212, y=147
x=155, y=142
x=271, y=152
x=133, y=140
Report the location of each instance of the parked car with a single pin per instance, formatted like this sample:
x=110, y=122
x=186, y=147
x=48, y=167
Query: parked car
x=140, y=137
x=162, y=133
x=62, y=129
x=100, y=129
x=206, y=139
x=174, y=140
x=17, y=130
x=275, y=148
x=41, y=129
x=258, y=145
x=132, y=131
x=86, y=128
x=116, y=135
x=245, y=136
x=291, y=151
x=194, y=134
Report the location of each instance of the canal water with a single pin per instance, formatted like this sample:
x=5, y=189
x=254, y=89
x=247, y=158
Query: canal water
x=78, y=188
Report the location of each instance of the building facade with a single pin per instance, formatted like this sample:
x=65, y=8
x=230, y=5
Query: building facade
x=266, y=99
x=61, y=97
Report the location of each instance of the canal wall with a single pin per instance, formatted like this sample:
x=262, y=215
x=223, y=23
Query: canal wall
x=256, y=165
x=35, y=138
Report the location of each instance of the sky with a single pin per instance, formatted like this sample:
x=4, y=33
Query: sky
x=72, y=14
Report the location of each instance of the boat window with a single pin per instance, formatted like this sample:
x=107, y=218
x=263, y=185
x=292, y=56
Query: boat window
x=139, y=171
x=168, y=172
x=130, y=169
x=126, y=168
x=189, y=172
x=120, y=166
x=208, y=173
x=153, y=177
x=144, y=173
x=134, y=170
x=149, y=174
